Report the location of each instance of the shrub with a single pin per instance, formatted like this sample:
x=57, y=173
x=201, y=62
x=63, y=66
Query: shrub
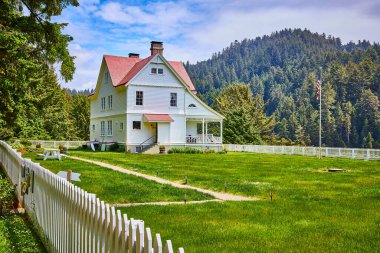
x=26, y=142
x=209, y=151
x=114, y=147
x=186, y=150
x=7, y=194
x=38, y=145
x=17, y=146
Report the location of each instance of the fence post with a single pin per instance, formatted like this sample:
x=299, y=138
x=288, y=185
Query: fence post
x=353, y=154
x=327, y=152
x=340, y=152
x=368, y=155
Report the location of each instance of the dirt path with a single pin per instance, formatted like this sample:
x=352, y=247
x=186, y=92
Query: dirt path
x=166, y=203
x=217, y=195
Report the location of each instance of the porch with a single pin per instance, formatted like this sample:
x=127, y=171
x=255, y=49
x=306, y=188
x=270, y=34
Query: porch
x=200, y=130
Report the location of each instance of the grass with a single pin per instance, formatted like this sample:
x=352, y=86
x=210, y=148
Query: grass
x=312, y=210
x=249, y=174
x=116, y=187
x=16, y=235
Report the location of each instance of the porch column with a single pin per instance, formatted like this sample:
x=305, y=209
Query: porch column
x=206, y=131
x=221, y=131
x=203, y=130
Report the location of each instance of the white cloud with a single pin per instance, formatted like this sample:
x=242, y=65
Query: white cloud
x=87, y=65
x=195, y=29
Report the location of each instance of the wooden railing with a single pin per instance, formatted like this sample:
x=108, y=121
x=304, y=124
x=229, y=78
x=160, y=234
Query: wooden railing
x=352, y=153
x=209, y=139
x=70, y=219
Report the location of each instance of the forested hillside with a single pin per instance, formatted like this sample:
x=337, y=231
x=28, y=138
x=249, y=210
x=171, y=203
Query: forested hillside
x=282, y=70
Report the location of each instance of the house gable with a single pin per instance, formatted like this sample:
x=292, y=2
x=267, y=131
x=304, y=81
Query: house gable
x=146, y=77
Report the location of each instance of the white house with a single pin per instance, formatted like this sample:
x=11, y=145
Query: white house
x=144, y=103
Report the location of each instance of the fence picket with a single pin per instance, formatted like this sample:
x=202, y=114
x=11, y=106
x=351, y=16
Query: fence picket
x=157, y=244
x=168, y=247
x=148, y=241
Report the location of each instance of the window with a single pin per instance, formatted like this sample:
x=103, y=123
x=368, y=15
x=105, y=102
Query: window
x=192, y=105
x=160, y=71
x=121, y=125
x=102, y=128
x=103, y=101
x=153, y=71
x=93, y=127
x=139, y=98
x=173, y=99
x=109, y=128
x=136, y=124
x=110, y=102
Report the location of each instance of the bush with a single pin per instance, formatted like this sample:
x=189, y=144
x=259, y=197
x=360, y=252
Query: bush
x=17, y=146
x=186, y=150
x=38, y=145
x=7, y=194
x=26, y=143
x=114, y=147
x=209, y=151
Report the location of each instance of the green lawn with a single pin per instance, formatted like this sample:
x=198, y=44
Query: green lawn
x=16, y=235
x=116, y=187
x=312, y=210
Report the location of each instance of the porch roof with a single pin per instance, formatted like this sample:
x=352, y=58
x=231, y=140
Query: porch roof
x=158, y=118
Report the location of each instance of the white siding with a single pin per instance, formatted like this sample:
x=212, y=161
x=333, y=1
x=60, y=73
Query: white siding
x=191, y=128
x=177, y=129
x=199, y=110
x=163, y=133
x=156, y=100
x=145, y=77
x=118, y=135
x=118, y=99
x=137, y=136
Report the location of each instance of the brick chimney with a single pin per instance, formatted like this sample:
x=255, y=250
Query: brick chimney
x=133, y=55
x=156, y=47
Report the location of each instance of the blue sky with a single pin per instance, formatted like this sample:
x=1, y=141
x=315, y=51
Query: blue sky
x=194, y=29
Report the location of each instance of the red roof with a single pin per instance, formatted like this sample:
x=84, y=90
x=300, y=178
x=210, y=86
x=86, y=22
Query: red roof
x=158, y=118
x=123, y=69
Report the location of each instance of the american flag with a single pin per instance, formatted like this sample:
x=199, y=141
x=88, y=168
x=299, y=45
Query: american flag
x=318, y=90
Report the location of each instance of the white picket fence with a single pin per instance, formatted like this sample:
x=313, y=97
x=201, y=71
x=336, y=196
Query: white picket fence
x=352, y=153
x=56, y=144
x=71, y=220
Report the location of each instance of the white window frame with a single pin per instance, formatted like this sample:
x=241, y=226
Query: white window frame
x=138, y=98
x=109, y=102
x=133, y=123
x=109, y=128
x=93, y=127
x=103, y=103
x=158, y=71
x=102, y=128
x=121, y=126
x=173, y=100
x=153, y=71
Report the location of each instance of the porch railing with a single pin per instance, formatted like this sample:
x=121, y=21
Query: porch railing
x=209, y=139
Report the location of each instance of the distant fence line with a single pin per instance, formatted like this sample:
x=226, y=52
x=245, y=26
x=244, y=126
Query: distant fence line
x=56, y=144
x=352, y=153
x=70, y=219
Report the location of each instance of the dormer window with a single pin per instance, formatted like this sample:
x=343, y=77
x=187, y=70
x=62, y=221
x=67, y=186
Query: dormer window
x=155, y=71
x=192, y=105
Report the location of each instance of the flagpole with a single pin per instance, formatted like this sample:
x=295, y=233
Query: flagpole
x=320, y=115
